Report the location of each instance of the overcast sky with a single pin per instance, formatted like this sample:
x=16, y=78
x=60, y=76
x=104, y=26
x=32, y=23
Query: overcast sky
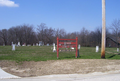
x=71, y=15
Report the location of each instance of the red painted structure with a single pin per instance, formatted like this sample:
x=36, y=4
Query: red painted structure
x=67, y=45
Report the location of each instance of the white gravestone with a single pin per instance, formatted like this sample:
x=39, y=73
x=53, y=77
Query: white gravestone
x=28, y=45
x=24, y=44
x=54, y=49
x=72, y=48
x=97, y=48
x=18, y=43
x=36, y=44
x=47, y=44
x=79, y=46
x=33, y=44
x=13, y=47
x=40, y=43
x=117, y=49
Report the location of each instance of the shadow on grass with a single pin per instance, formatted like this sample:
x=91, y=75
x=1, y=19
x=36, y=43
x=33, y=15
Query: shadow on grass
x=70, y=57
x=118, y=53
x=112, y=56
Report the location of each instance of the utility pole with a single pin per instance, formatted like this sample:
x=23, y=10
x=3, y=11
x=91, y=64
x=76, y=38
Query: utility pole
x=103, y=30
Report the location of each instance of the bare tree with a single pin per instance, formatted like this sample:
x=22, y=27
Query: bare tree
x=22, y=34
x=4, y=36
x=49, y=35
x=15, y=34
x=61, y=33
x=28, y=32
x=84, y=37
x=92, y=39
x=41, y=31
x=115, y=27
x=98, y=34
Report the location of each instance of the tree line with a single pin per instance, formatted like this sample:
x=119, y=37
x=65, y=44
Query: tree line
x=28, y=35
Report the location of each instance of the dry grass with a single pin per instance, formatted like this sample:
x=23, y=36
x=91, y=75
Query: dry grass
x=79, y=66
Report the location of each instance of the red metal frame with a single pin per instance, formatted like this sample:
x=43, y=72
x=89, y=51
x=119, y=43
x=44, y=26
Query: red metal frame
x=69, y=44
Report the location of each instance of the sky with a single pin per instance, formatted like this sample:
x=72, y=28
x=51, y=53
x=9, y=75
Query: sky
x=71, y=15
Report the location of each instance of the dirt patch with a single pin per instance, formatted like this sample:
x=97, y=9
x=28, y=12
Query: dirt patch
x=79, y=66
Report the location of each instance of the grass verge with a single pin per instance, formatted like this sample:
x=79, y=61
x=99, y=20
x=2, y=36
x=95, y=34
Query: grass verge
x=44, y=53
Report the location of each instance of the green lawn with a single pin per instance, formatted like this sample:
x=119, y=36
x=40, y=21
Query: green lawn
x=43, y=53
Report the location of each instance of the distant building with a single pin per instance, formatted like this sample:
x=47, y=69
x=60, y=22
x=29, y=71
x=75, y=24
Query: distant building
x=110, y=42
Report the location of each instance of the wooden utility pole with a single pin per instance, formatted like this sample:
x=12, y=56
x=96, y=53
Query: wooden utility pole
x=103, y=30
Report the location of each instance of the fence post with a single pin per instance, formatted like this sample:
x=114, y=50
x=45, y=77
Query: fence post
x=76, y=46
x=57, y=47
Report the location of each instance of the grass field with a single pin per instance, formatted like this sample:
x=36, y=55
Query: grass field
x=43, y=53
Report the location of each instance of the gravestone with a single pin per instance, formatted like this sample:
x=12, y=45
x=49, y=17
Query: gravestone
x=79, y=46
x=97, y=48
x=33, y=44
x=117, y=49
x=48, y=44
x=54, y=49
x=41, y=43
x=36, y=44
x=28, y=45
x=18, y=43
x=24, y=44
x=13, y=47
x=72, y=48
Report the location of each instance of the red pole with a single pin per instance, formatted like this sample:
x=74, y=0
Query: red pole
x=57, y=47
x=76, y=46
